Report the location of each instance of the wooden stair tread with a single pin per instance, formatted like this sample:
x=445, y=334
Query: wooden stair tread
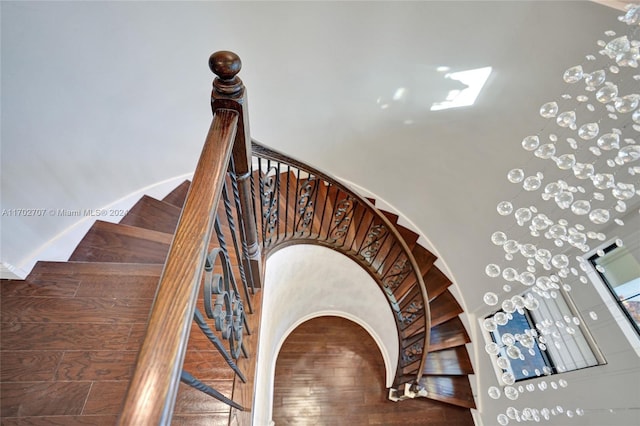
x=451, y=361
x=436, y=282
x=89, y=268
x=448, y=334
x=70, y=354
x=88, y=309
x=178, y=196
x=109, y=242
x=444, y=308
x=81, y=322
x=67, y=279
x=424, y=258
x=454, y=390
x=149, y=213
x=410, y=237
x=393, y=218
x=72, y=420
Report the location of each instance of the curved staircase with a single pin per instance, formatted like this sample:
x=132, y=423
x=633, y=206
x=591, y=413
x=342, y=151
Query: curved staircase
x=336, y=220
x=113, y=320
x=448, y=366
x=71, y=330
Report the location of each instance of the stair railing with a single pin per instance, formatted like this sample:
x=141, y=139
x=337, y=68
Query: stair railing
x=300, y=204
x=289, y=213
x=153, y=388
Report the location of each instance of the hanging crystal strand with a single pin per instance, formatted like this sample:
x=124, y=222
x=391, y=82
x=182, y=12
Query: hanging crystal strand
x=597, y=179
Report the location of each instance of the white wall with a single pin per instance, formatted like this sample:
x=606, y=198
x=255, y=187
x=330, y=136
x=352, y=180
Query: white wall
x=307, y=281
x=99, y=101
x=610, y=393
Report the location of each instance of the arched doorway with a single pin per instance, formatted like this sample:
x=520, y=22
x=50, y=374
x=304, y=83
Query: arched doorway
x=329, y=371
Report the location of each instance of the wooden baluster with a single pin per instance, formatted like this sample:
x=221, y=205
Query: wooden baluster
x=229, y=93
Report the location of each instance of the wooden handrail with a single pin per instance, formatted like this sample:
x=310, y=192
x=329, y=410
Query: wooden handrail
x=265, y=152
x=152, y=392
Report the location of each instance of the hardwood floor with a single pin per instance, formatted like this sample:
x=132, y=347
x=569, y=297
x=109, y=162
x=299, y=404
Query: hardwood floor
x=330, y=372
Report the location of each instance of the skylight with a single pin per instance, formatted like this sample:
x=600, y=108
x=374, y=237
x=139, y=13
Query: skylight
x=474, y=80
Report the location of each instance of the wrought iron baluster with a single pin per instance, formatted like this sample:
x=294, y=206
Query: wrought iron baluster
x=295, y=205
x=253, y=197
x=206, y=330
x=361, y=221
x=341, y=219
x=304, y=204
x=227, y=311
x=314, y=213
x=279, y=201
x=188, y=379
x=372, y=243
x=385, y=258
x=270, y=184
x=412, y=353
x=412, y=312
x=324, y=207
x=333, y=211
x=286, y=203
x=381, y=244
x=354, y=210
x=261, y=186
x=223, y=246
x=243, y=238
x=397, y=273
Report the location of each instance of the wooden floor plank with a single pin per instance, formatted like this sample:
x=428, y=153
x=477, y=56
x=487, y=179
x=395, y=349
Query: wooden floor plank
x=84, y=309
x=193, y=401
x=42, y=398
x=60, y=421
x=55, y=287
x=59, y=336
x=29, y=366
x=96, y=365
x=105, y=398
x=349, y=389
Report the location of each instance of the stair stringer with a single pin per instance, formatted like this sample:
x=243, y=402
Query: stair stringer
x=402, y=221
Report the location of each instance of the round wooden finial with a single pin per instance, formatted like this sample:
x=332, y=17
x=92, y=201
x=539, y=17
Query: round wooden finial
x=225, y=64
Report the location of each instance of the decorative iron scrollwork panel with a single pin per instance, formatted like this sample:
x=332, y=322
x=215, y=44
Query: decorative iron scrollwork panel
x=342, y=218
x=398, y=272
x=412, y=353
x=227, y=310
x=269, y=184
x=305, y=203
x=373, y=242
x=411, y=312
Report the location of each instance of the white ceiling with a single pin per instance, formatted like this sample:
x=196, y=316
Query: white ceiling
x=116, y=92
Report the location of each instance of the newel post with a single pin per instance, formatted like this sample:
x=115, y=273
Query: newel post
x=229, y=93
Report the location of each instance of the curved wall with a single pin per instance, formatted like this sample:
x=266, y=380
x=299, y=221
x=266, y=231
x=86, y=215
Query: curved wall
x=304, y=282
